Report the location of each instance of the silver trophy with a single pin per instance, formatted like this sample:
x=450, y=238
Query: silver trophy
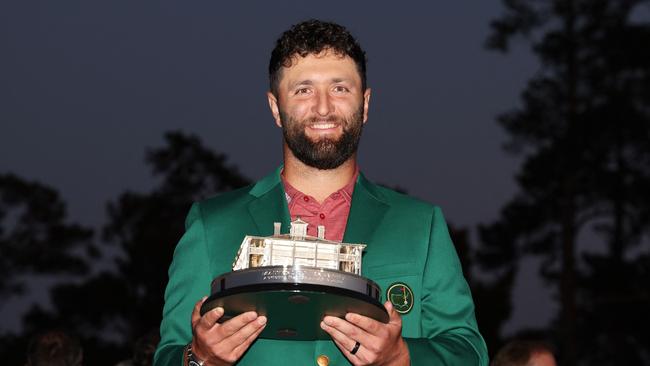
x=295, y=280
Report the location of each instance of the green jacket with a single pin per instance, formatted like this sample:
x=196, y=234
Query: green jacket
x=407, y=241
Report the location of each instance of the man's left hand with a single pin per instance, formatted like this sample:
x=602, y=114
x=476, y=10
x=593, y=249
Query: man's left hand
x=379, y=343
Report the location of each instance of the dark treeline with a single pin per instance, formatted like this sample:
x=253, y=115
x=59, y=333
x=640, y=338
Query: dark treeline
x=111, y=311
x=582, y=131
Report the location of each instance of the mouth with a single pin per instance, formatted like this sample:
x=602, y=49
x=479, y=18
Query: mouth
x=323, y=126
x=324, y=130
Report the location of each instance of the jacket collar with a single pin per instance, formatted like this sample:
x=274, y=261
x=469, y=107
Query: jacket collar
x=368, y=208
x=270, y=204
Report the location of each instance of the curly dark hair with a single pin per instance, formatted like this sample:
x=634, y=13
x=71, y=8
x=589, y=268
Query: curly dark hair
x=312, y=37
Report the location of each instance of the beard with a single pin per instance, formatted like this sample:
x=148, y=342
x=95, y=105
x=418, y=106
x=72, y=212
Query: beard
x=324, y=153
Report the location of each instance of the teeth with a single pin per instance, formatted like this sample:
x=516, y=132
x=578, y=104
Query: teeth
x=323, y=126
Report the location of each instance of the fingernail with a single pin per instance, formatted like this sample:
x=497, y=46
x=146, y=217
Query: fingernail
x=322, y=325
x=327, y=320
x=219, y=310
x=203, y=298
x=261, y=320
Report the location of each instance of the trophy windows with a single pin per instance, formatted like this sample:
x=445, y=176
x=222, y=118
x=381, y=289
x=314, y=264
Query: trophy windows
x=298, y=249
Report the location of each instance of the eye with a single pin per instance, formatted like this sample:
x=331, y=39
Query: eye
x=302, y=91
x=341, y=89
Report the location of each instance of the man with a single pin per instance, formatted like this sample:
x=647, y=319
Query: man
x=54, y=348
x=320, y=100
x=525, y=353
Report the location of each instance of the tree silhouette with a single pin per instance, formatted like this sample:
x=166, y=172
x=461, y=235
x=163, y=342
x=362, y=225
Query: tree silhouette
x=584, y=130
x=36, y=241
x=123, y=305
x=147, y=226
x=34, y=235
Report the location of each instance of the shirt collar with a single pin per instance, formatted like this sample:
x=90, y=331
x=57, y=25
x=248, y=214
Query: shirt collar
x=346, y=192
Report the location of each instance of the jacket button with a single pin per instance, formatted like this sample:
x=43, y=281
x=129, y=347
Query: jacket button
x=322, y=360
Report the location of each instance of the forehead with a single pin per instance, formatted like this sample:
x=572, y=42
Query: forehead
x=322, y=67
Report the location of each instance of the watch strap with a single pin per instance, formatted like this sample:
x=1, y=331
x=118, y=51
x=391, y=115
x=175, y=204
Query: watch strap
x=192, y=360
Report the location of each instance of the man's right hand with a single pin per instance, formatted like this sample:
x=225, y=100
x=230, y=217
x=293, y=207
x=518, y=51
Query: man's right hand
x=223, y=344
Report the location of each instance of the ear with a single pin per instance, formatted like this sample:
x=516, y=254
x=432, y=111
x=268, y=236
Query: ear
x=275, y=110
x=366, y=104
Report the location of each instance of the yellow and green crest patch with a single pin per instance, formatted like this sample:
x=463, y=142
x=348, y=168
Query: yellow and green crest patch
x=401, y=296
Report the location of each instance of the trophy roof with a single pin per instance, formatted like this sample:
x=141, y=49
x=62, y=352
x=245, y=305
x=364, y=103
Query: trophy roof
x=294, y=239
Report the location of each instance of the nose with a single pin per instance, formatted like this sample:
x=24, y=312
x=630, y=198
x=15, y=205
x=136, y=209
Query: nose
x=323, y=105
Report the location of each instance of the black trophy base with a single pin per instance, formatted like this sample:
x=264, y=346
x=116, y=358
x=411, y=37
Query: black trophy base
x=294, y=310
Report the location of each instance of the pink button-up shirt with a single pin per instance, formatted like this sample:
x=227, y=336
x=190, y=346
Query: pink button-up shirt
x=332, y=213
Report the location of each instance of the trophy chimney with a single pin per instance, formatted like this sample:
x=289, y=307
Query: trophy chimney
x=321, y=232
x=276, y=228
x=298, y=229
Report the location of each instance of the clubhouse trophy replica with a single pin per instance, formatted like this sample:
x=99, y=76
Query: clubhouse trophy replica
x=295, y=280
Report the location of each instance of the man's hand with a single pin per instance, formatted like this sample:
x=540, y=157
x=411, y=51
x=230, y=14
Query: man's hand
x=223, y=344
x=380, y=344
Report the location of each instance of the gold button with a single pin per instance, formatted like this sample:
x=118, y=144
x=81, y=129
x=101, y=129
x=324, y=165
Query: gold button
x=322, y=360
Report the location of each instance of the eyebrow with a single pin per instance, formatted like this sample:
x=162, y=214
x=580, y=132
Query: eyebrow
x=311, y=82
x=302, y=82
x=339, y=80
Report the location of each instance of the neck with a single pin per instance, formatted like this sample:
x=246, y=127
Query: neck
x=314, y=182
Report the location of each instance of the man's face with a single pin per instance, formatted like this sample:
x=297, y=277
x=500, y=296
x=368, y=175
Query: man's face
x=321, y=109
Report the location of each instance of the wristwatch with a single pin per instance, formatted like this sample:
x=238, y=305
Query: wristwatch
x=191, y=359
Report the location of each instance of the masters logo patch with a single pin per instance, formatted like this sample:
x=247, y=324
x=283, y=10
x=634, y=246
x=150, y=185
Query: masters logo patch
x=401, y=296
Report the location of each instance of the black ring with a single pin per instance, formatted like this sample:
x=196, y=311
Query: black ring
x=356, y=348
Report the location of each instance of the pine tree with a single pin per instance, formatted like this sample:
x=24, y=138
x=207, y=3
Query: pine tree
x=114, y=308
x=584, y=133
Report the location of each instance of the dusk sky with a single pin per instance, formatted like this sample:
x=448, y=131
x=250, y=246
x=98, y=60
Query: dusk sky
x=87, y=86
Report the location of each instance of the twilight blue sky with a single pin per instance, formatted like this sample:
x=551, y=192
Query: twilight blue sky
x=87, y=86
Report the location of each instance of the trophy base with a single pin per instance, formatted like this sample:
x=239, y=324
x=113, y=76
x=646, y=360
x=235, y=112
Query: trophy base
x=295, y=299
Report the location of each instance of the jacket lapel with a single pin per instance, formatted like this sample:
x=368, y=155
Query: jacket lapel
x=368, y=209
x=270, y=204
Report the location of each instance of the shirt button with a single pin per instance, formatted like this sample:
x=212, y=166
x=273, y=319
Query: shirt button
x=305, y=198
x=322, y=360
x=322, y=216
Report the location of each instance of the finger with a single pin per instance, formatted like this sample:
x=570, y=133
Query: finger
x=229, y=327
x=352, y=331
x=360, y=357
x=393, y=315
x=342, y=340
x=241, y=336
x=209, y=319
x=196, y=312
x=239, y=350
x=370, y=325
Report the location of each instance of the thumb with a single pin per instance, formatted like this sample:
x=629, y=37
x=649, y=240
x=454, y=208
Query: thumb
x=393, y=315
x=196, y=312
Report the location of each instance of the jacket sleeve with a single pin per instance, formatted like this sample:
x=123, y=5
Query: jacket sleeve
x=189, y=281
x=451, y=335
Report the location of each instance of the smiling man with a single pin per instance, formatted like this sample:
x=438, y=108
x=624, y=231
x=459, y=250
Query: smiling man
x=319, y=98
